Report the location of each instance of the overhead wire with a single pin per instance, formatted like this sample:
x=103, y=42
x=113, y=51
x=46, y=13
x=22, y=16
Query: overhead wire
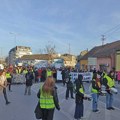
x=111, y=31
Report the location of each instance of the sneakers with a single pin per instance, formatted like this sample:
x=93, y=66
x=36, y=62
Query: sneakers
x=108, y=108
x=111, y=108
x=83, y=118
x=96, y=111
x=7, y=103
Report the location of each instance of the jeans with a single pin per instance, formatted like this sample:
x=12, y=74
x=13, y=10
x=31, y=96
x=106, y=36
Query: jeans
x=5, y=94
x=95, y=97
x=71, y=92
x=28, y=90
x=9, y=80
x=109, y=100
x=39, y=79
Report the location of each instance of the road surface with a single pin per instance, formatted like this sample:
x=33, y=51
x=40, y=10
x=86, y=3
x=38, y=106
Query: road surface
x=22, y=106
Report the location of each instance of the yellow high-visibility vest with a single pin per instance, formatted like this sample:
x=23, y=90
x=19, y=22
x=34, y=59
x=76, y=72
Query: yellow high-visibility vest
x=81, y=90
x=8, y=75
x=46, y=101
x=94, y=90
x=110, y=81
x=49, y=73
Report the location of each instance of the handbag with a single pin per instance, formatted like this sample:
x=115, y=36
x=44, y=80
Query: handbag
x=38, y=111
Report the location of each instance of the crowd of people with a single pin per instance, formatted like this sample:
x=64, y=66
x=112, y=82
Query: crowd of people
x=47, y=94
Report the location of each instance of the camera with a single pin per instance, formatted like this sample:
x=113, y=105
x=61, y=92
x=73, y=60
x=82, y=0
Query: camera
x=113, y=90
x=88, y=97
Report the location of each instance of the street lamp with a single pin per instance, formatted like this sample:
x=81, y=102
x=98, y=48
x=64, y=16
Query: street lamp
x=0, y=55
x=15, y=36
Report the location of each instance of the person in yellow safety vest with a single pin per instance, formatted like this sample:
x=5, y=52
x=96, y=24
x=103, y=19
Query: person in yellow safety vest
x=80, y=95
x=9, y=80
x=18, y=70
x=48, y=98
x=108, y=81
x=25, y=71
x=49, y=72
x=96, y=89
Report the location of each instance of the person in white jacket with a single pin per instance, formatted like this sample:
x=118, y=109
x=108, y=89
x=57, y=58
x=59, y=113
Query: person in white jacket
x=3, y=85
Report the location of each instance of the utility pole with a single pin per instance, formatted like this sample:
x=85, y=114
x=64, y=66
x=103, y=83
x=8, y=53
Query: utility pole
x=103, y=39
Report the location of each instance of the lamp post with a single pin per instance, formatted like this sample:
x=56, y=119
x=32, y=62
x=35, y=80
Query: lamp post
x=0, y=55
x=15, y=36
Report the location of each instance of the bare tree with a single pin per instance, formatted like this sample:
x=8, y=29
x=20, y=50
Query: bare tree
x=41, y=51
x=49, y=49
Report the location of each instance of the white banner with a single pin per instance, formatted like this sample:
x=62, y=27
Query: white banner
x=18, y=78
x=87, y=76
x=59, y=75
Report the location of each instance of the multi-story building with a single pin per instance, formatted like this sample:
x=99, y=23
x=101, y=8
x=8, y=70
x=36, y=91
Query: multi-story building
x=17, y=52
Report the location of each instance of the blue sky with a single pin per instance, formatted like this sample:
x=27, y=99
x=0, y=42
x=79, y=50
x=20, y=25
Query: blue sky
x=37, y=23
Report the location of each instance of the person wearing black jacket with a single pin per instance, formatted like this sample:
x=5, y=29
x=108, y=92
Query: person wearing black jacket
x=29, y=80
x=48, y=99
x=69, y=88
x=43, y=75
x=63, y=76
x=79, y=108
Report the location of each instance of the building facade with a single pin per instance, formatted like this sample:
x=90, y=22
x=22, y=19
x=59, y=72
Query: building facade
x=101, y=57
x=17, y=52
x=69, y=60
x=117, y=60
